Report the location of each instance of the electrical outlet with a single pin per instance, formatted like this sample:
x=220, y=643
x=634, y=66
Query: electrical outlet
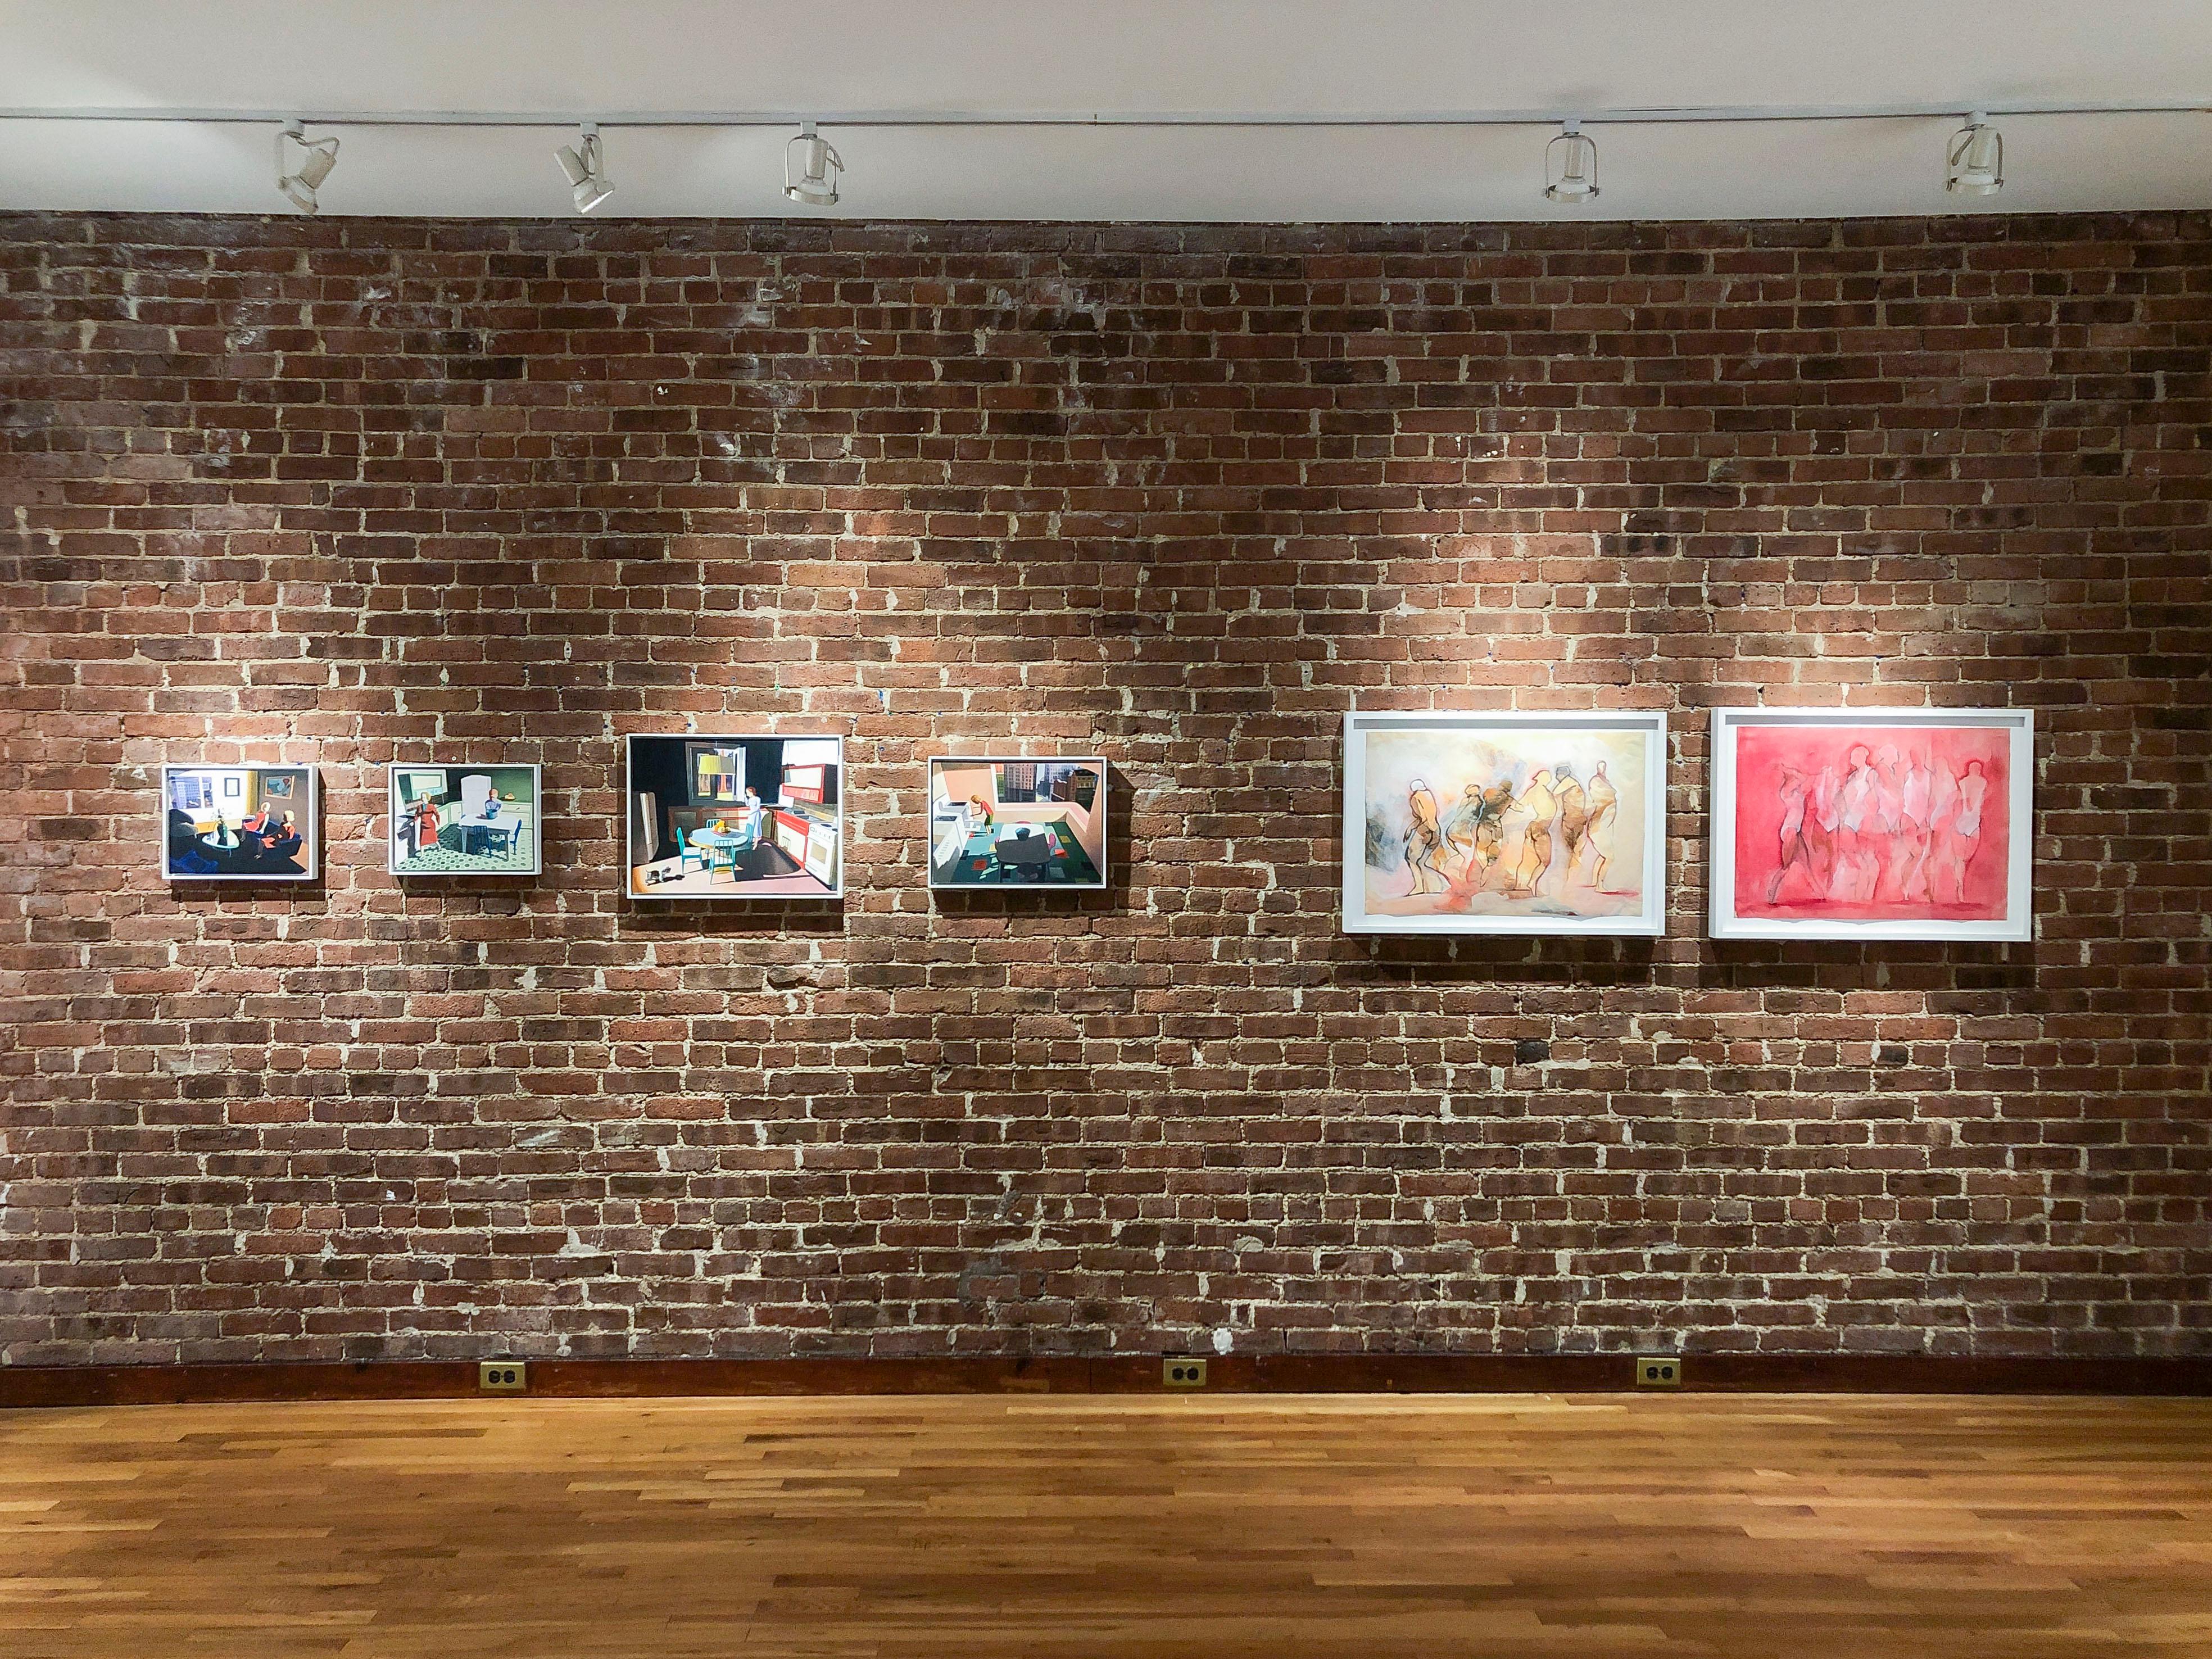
x=1182, y=1373
x=502, y=1376
x=1658, y=1371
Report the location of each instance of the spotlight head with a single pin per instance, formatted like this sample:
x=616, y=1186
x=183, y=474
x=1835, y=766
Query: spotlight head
x=585, y=164
x=811, y=167
x=301, y=167
x=1570, y=166
x=1974, y=162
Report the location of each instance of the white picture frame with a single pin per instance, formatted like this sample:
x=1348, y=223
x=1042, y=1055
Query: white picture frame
x=1482, y=869
x=809, y=836
x=404, y=852
x=952, y=867
x=1808, y=868
x=207, y=834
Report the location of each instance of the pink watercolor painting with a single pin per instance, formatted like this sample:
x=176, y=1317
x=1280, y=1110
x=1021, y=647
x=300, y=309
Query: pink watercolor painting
x=1873, y=823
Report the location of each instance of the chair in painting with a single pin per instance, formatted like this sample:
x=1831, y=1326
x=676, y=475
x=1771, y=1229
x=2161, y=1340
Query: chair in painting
x=186, y=858
x=1026, y=850
x=687, y=857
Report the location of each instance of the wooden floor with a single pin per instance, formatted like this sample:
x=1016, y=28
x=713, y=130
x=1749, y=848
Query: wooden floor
x=1201, y=1527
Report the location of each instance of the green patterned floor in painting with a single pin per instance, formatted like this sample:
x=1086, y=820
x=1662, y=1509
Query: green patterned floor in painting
x=443, y=861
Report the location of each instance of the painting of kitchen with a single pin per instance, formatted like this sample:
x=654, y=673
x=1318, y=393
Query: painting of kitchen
x=463, y=820
x=1033, y=822
x=240, y=824
x=735, y=817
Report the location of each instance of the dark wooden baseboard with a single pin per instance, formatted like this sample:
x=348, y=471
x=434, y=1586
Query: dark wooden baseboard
x=126, y=1385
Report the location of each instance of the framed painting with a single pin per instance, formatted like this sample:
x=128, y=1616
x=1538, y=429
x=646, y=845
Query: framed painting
x=1033, y=821
x=1872, y=823
x=463, y=820
x=239, y=823
x=1505, y=823
x=735, y=818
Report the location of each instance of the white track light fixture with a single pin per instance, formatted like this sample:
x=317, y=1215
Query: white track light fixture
x=1570, y=166
x=301, y=167
x=586, y=164
x=1974, y=163
x=811, y=167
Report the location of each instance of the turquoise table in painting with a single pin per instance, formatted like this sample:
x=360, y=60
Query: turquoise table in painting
x=728, y=843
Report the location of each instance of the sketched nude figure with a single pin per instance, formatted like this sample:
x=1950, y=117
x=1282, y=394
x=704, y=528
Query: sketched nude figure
x=1858, y=854
x=1604, y=812
x=1961, y=837
x=1542, y=808
x=1423, y=841
x=1798, y=840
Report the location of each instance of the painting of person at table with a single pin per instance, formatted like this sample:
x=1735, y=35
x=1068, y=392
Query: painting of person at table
x=238, y=823
x=1030, y=822
x=463, y=820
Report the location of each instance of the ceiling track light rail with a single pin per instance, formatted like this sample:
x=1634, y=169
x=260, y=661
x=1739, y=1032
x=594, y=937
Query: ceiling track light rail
x=1687, y=115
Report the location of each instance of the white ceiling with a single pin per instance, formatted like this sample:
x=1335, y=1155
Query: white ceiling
x=1362, y=57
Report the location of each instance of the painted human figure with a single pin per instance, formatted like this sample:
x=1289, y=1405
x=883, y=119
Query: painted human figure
x=1965, y=837
x=1423, y=839
x=1943, y=803
x=1796, y=850
x=1888, y=815
x=1478, y=826
x=1858, y=863
x=1604, y=813
x=1463, y=832
x=1541, y=808
x=1909, y=852
x=423, y=820
x=1574, y=820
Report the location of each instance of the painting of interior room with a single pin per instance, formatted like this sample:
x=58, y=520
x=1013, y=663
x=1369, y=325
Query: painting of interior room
x=239, y=823
x=1881, y=824
x=463, y=820
x=1032, y=822
x=1504, y=822
x=735, y=817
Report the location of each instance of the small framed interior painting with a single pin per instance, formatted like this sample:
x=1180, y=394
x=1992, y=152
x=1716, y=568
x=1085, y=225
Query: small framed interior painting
x=463, y=820
x=1035, y=820
x=239, y=823
x=1872, y=823
x=738, y=817
x=1505, y=823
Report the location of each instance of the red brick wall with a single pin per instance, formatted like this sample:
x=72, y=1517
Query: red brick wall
x=337, y=491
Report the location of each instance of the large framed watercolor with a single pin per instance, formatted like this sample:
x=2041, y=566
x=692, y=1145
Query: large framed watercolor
x=1029, y=821
x=1505, y=823
x=1872, y=823
x=735, y=817
x=463, y=820
x=240, y=824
